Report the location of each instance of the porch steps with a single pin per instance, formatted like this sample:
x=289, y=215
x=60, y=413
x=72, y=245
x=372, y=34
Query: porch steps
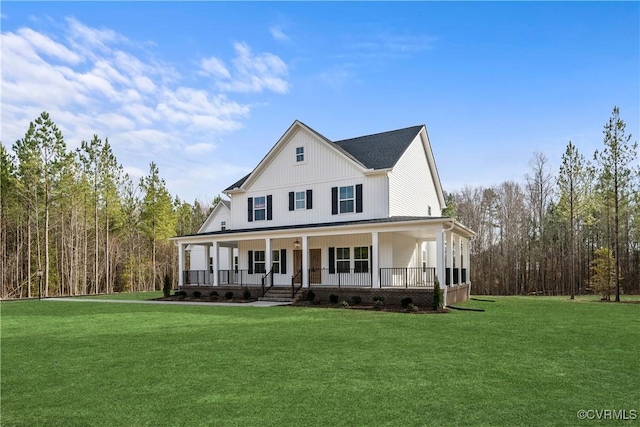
x=279, y=295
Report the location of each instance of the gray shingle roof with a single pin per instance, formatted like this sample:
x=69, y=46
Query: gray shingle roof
x=380, y=150
x=377, y=151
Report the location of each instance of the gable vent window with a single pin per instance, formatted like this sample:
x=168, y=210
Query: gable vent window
x=299, y=154
x=223, y=225
x=429, y=210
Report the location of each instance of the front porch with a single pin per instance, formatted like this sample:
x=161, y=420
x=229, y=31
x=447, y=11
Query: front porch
x=382, y=254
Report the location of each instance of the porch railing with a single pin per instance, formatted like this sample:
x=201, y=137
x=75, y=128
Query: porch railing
x=293, y=283
x=267, y=282
x=418, y=277
x=348, y=278
x=225, y=277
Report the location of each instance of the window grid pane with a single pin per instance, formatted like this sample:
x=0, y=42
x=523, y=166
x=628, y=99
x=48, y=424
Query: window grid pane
x=347, y=202
x=301, y=200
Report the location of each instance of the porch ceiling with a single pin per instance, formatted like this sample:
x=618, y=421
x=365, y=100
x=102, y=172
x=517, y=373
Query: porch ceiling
x=417, y=227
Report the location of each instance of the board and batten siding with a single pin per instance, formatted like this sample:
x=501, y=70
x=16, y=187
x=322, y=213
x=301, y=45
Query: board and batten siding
x=411, y=187
x=322, y=169
x=214, y=224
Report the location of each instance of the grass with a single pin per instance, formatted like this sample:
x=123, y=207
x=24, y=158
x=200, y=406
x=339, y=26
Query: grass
x=524, y=361
x=126, y=296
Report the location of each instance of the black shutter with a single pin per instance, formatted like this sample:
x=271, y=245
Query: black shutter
x=250, y=262
x=269, y=209
x=334, y=200
x=359, y=198
x=309, y=199
x=332, y=260
x=250, y=209
x=283, y=261
x=291, y=201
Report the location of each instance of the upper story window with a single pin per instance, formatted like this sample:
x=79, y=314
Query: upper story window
x=259, y=208
x=347, y=199
x=223, y=225
x=301, y=200
x=299, y=154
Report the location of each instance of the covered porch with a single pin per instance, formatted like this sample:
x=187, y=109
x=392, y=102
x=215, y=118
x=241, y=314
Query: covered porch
x=392, y=253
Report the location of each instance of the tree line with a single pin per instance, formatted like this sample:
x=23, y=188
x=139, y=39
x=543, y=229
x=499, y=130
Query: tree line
x=79, y=219
x=574, y=230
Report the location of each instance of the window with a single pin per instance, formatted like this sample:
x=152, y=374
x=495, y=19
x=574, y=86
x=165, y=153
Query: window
x=259, y=208
x=223, y=225
x=347, y=199
x=361, y=259
x=343, y=257
x=301, y=200
x=275, y=261
x=235, y=264
x=258, y=262
x=429, y=210
x=299, y=154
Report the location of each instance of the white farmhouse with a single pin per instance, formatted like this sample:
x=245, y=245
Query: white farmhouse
x=361, y=214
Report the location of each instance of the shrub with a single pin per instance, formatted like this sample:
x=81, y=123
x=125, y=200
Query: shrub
x=180, y=294
x=406, y=301
x=228, y=295
x=378, y=297
x=437, y=296
x=316, y=301
x=166, y=288
x=412, y=308
x=213, y=294
x=333, y=298
x=311, y=295
x=344, y=304
x=356, y=299
x=197, y=294
x=246, y=294
x=377, y=305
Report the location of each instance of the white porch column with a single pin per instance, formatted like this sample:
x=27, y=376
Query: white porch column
x=440, y=264
x=216, y=263
x=460, y=257
x=305, y=261
x=181, y=249
x=206, y=253
x=450, y=244
x=375, y=267
x=267, y=257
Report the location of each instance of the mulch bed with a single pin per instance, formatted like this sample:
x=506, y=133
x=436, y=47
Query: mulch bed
x=385, y=309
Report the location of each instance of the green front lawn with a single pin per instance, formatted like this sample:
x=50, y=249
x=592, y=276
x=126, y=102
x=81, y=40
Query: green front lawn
x=524, y=361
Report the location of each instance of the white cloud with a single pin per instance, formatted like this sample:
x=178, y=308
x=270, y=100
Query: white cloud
x=277, y=33
x=96, y=81
x=251, y=73
x=214, y=67
x=199, y=148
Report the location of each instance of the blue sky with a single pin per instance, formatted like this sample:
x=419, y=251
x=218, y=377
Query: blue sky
x=205, y=89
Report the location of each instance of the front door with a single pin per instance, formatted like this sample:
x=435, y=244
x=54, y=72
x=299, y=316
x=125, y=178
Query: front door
x=297, y=265
x=315, y=266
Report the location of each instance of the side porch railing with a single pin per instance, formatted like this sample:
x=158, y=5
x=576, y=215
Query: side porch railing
x=348, y=278
x=418, y=277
